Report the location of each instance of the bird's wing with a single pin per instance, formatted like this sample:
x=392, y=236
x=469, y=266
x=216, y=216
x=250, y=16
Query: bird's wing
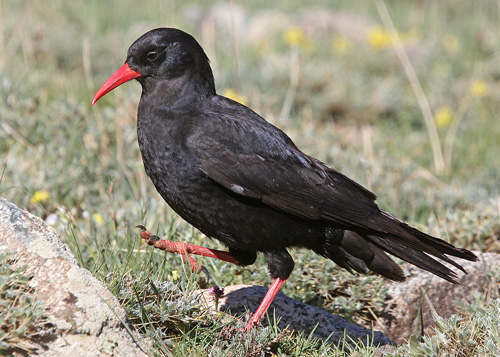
x=286, y=179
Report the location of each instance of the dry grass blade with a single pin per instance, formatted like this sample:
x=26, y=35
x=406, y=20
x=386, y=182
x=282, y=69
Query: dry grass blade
x=415, y=85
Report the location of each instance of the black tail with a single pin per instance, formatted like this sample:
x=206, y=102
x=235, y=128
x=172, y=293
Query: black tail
x=420, y=259
x=415, y=247
x=365, y=251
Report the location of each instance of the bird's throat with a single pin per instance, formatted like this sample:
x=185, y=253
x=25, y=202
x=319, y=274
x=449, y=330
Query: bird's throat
x=181, y=92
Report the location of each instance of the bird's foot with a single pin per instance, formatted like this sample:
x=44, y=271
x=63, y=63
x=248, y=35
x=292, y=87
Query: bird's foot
x=184, y=249
x=173, y=247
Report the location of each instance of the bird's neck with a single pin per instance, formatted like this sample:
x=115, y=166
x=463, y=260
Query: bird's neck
x=184, y=91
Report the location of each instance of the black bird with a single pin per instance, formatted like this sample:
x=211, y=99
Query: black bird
x=241, y=180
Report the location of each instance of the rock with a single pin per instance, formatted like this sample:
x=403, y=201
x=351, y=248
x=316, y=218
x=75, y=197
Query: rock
x=83, y=318
x=238, y=299
x=400, y=317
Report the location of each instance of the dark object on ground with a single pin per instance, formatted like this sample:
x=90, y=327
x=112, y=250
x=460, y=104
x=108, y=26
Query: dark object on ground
x=239, y=179
x=293, y=315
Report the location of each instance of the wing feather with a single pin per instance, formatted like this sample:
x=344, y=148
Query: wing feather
x=296, y=184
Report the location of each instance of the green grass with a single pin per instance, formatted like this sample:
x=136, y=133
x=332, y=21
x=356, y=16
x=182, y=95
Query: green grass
x=475, y=333
x=354, y=109
x=21, y=315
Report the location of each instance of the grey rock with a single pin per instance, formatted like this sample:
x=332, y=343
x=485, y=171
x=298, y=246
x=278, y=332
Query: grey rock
x=238, y=299
x=83, y=317
x=400, y=318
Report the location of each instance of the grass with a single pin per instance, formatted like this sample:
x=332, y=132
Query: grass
x=351, y=104
x=476, y=333
x=21, y=316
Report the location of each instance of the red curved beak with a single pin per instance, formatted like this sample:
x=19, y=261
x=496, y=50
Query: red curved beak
x=124, y=74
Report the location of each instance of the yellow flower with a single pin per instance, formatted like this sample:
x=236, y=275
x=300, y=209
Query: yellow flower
x=175, y=275
x=342, y=45
x=40, y=196
x=451, y=43
x=378, y=38
x=232, y=94
x=443, y=117
x=97, y=217
x=294, y=36
x=479, y=88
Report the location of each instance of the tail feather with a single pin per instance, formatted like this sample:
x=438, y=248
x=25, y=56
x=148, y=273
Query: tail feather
x=388, y=225
x=414, y=246
x=444, y=247
x=418, y=258
x=382, y=232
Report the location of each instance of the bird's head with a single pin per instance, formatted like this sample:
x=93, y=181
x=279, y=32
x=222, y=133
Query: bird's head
x=165, y=61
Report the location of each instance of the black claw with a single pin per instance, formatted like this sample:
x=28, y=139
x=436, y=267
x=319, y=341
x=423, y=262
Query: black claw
x=203, y=269
x=153, y=239
x=141, y=227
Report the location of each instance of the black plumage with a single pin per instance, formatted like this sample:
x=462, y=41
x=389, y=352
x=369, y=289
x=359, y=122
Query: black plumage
x=241, y=180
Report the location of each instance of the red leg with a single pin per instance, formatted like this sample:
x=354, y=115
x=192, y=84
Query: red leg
x=195, y=266
x=184, y=249
x=264, y=305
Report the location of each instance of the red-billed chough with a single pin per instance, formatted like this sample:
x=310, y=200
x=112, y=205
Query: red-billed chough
x=241, y=180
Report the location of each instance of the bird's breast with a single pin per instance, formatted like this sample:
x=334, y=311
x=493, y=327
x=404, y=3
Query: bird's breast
x=176, y=174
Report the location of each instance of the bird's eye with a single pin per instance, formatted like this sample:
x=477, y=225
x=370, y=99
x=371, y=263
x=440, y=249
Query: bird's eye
x=152, y=56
